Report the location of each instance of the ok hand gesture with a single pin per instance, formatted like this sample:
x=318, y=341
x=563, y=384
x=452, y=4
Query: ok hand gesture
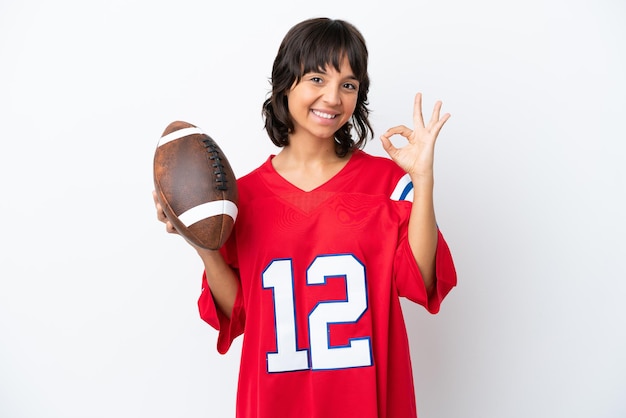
x=417, y=156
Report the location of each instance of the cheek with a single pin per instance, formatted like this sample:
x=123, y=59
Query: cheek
x=350, y=107
x=299, y=101
x=291, y=105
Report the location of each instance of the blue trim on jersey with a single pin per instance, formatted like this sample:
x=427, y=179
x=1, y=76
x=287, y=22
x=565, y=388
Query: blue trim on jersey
x=406, y=191
x=403, y=191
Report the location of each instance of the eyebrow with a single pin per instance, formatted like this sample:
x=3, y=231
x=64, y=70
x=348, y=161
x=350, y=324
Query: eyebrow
x=323, y=71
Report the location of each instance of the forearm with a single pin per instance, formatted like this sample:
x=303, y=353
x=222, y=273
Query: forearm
x=423, y=230
x=222, y=280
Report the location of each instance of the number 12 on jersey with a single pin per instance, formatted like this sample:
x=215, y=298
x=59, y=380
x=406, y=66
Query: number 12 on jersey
x=278, y=276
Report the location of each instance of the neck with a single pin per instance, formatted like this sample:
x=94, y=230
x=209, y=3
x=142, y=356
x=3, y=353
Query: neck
x=308, y=168
x=309, y=155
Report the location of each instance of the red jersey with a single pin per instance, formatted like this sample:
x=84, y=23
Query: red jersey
x=321, y=273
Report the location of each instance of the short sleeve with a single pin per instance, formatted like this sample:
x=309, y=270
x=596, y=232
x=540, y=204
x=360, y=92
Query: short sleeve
x=409, y=279
x=228, y=328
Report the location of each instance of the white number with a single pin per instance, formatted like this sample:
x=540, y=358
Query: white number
x=279, y=277
x=287, y=357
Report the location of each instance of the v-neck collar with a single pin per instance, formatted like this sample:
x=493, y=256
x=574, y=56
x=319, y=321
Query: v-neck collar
x=279, y=182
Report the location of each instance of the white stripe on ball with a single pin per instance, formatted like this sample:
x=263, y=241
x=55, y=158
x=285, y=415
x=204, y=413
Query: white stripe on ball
x=172, y=136
x=206, y=210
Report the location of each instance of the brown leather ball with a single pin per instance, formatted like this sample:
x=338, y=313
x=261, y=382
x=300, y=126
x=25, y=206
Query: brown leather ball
x=195, y=185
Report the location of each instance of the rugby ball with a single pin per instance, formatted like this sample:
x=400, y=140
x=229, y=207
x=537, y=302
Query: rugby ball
x=195, y=185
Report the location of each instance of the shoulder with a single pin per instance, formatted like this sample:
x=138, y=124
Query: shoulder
x=376, y=163
x=258, y=182
x=381, y=174
x=252, y=176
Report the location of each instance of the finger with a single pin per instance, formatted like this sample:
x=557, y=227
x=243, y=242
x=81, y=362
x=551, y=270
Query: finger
x=160, y=213
x=418, y=119
x=440, y=124
x=387, y=144
x=436, y=112
x=170, y=228
x=159, y=210
x=398, y=130
x=437, y=127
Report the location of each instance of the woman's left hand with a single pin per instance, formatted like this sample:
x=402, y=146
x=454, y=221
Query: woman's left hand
x=417, y=156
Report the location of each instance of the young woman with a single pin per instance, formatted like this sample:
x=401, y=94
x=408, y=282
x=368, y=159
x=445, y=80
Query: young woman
x=328, y=238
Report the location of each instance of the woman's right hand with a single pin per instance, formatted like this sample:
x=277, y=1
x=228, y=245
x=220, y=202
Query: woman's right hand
x=161, y=215
x=170, y=228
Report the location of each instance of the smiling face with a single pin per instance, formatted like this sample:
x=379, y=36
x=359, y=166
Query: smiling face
x=321, y=47
x=323, y=101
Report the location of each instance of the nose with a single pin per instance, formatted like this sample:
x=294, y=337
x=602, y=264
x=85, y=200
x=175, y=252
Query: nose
x=332, y=94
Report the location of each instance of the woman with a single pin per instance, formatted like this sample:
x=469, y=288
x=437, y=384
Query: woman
x=327, y=239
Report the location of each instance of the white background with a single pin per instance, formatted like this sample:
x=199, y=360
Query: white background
x=98, y=312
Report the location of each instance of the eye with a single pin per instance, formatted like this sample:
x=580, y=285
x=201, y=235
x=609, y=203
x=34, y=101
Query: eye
x=351, y=86
x=316, y=79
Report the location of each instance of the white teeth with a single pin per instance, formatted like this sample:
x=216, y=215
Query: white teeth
x=323, y=115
